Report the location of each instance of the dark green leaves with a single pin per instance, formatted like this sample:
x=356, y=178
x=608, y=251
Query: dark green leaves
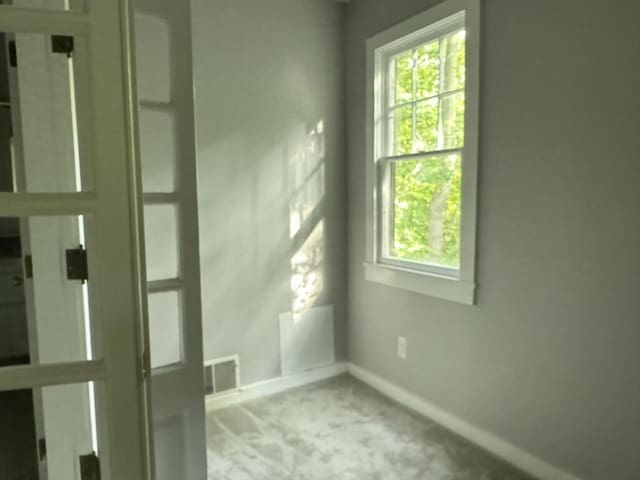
x=425, y=216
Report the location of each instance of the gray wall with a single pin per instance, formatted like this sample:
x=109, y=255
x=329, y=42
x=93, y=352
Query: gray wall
x=266, y=74
x=548, y=359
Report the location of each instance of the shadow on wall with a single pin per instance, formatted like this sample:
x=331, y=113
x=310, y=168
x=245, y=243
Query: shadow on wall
x=263, y=241
x=269, y=146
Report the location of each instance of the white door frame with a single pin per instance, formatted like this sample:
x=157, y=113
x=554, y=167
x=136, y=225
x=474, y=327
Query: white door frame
x=115, y=204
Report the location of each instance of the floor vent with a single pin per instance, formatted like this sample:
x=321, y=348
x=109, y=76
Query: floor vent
x=221, y=375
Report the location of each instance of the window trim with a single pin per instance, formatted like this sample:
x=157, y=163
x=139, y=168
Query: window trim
x=456, y=285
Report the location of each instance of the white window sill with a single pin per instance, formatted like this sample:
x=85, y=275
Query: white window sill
x=429, y=284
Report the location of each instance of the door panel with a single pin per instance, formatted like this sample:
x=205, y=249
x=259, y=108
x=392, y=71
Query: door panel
x=165, y=91
x=46, y=158
x=170, y=443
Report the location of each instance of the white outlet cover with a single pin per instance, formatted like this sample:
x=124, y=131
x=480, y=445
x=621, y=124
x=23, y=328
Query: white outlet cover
x=402, y=347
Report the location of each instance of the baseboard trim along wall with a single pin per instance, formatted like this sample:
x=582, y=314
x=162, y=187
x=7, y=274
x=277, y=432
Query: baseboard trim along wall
x=510, y=453
x=274, y=385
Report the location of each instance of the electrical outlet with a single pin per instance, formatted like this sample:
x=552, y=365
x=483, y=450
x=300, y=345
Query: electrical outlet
x=402, y=348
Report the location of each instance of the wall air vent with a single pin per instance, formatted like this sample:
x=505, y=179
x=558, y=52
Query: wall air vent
x=221, y=376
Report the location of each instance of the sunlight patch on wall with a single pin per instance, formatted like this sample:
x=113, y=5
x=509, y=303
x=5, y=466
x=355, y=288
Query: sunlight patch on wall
x=307, y=280
x=308, y=175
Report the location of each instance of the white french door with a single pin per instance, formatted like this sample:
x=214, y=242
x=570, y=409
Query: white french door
x=76, y=200
x=167, y=146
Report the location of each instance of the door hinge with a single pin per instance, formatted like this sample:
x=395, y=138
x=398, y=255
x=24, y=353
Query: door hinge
x=77, y=268
x=144, y=366
x=42, y=449
x=62, y=44
x=28, y=266
x=89, y=467
x=13, y=53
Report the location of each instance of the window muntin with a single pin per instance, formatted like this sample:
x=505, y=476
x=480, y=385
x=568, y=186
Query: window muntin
x=421, y=142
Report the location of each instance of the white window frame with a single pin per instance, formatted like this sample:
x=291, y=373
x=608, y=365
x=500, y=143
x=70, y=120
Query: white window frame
x=456, y=285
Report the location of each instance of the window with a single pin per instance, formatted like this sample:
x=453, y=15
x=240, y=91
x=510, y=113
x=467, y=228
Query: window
x=422, y=152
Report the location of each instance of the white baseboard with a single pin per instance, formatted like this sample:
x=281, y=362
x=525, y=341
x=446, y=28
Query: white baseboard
x=510, y=453
x=273, y=386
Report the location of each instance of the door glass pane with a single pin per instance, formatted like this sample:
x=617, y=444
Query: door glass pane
x=44, y=119
x=153, y=58
x=73, y=5
x=165, y=328
x=47, y=315
x=425, y=210
x=161, y=241
x=158, y=148
x=44, y=431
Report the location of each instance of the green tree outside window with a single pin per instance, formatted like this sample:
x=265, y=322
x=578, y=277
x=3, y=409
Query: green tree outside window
x=426, y=114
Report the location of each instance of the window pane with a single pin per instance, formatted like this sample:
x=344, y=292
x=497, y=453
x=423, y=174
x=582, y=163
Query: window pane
x=452, y=118
x=402, y=70
x=426, y=126
x=428, y=69
x=453, y=61
x=401, y=130
x=165, y=329
x=425, y=210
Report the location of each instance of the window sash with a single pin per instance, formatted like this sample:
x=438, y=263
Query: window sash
x=387, y=107
x=385, y=213
x=424, y=35
x=385, y=159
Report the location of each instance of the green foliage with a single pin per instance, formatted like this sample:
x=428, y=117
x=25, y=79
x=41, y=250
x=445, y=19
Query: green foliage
x=427, y=114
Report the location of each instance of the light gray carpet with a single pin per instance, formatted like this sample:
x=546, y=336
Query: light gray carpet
x=340, y=430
